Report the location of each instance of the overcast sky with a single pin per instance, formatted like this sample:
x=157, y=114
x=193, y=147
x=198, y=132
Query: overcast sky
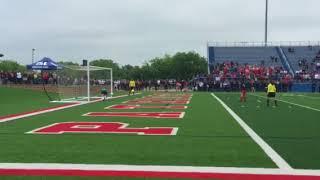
x=133, y=31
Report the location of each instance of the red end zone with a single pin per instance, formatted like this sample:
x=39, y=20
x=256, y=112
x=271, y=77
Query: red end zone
x=164, y=99
x=170, y=115
x=171, y=95
x=103, y=127
x=119, y=107
x=156, y=102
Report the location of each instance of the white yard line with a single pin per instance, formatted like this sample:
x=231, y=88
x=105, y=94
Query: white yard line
x=299, y=95
x=156, y=168
x=288, y=102
x=276, y=158
x=310, y=97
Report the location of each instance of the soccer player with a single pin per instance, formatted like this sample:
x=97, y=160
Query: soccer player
x=271, y=93
x=104, y=93
x=243, y=97
x=253, y=89
x=132, y=85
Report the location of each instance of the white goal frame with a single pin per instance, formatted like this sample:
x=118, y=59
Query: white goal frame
x=88, y=81
x=87, y=69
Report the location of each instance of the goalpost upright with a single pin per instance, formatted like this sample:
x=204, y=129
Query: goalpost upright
x=98, y=68
x=88, y=81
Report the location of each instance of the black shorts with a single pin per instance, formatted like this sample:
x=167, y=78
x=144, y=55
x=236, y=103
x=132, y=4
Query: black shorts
x=104, y=92
x=271, y=94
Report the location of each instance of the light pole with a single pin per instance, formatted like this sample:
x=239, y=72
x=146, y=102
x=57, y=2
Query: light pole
x=208, y=59
x=33, y=50
x=266, y=25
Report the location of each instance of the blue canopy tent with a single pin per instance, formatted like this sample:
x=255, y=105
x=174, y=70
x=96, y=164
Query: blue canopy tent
x=44, y=64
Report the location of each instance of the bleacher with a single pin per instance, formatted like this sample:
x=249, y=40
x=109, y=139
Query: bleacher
x=246, y=55
x=299, y=53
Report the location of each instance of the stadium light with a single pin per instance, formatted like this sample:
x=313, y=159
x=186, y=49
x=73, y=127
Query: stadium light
x=84, y=62
x=266, y=25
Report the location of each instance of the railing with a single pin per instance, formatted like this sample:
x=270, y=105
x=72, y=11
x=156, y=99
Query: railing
x=284, y=60
x=262, y=44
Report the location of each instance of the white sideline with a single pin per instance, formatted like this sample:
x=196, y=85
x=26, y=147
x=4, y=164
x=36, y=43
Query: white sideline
x=276, y=158
x=157, y=168
x=288, y=102
x=54, y=109
x=37, y=113
x=310, y=97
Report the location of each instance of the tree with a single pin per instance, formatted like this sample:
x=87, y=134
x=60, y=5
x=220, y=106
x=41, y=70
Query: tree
x=10, y=65
x=147, y=72
x=162, y=67
x=187, y=65
x=108, y=63
x=180, y=66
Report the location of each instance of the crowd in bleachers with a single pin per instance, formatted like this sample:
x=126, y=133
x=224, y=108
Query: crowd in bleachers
x=229, y=76
x=308, y=67
x=27, y=78
x=303, y=62
x=304, y=74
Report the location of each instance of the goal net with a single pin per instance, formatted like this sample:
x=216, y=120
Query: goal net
x=83, y=83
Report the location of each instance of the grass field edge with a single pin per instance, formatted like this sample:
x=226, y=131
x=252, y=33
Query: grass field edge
x=51, y=169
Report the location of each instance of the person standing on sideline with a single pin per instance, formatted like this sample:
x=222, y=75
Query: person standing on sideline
x=243, y=97
x=271, y=93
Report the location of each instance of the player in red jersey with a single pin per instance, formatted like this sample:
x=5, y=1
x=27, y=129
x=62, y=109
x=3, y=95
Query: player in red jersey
x=243, y=97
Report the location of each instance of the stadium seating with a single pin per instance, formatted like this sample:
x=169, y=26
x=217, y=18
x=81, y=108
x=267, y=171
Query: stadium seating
x=299, y=53
x=247, y=55
x=293, y=59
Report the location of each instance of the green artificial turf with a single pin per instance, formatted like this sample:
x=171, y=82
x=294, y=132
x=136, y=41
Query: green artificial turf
x=291, y=130
x=306, y=99
x=18, y=100
x=15, y=100
x=207, y=136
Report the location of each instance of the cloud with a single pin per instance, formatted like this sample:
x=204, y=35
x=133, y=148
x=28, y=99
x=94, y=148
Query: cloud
x=132, y=31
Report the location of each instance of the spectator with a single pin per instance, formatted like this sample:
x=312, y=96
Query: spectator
x=19, y=77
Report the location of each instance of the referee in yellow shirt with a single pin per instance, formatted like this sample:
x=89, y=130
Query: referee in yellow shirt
x=271, y=93
x=132, y=85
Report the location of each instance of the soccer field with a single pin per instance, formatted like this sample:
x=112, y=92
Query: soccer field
x=203, y=134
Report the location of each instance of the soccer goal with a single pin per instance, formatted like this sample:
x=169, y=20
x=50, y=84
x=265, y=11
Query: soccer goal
x=83, y=83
